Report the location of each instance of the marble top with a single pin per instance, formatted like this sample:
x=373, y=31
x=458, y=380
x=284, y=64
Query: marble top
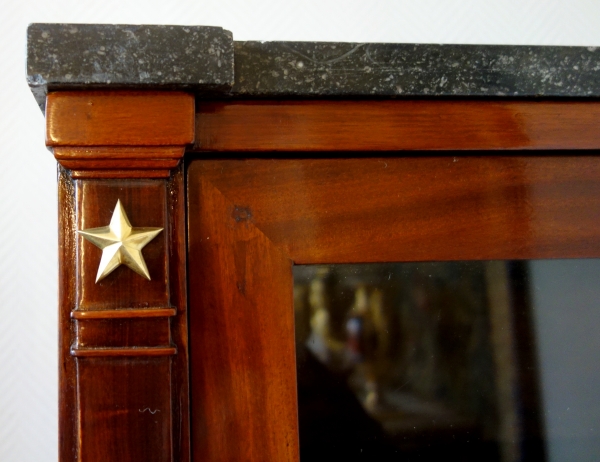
x=207, y=61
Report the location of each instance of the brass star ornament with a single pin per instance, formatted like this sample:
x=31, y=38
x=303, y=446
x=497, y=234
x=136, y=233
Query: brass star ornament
x=121, y=244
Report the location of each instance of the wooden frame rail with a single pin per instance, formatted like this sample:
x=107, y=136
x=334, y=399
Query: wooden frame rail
x=250, y=220
x=396, y=125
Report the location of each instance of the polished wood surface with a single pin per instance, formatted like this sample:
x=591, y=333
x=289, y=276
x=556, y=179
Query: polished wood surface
x=123, y=341
x=243, y=374
x=138, y=351
x=124, y=323
x=145, y=202
x=132, y=333
x=125, y=313
x=67, y=295
x=417, y=209
x=119, y=174
x=120, y=134
x=254, y=126
x=122, y=417
x=248, y=220
x=119, y=162
x=119, y=118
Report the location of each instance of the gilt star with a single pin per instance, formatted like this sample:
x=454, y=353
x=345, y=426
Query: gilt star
x=120, y=243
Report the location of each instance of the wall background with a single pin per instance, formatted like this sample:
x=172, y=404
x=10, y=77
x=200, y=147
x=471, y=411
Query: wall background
x=28, y=248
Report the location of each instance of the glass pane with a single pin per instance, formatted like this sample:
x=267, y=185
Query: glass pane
x=473, y=360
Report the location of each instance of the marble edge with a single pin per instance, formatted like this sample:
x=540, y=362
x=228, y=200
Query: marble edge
x=305, y=69
x=207, y=61
x=127, y=56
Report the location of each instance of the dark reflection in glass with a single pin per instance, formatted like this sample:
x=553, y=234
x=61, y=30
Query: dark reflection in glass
x=418, y=361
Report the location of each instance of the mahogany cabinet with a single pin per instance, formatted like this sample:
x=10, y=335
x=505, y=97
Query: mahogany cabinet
x=248, y=158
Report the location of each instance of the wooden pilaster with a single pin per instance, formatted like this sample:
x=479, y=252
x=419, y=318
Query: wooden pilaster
x=123, y=340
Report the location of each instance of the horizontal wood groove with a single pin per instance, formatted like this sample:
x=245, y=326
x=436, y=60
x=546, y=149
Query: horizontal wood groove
x=120, y=164
x=118, y=152
x=124, y=313
x=135, y=351
x=133, y=173
x=119, y=118
x=396, y=125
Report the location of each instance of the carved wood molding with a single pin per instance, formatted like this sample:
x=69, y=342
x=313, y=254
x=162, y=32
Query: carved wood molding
x=123, y=339
x=119, y=134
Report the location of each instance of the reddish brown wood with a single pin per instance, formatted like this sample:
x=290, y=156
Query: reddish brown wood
x=122, y=417
x=248, y=217
x=135, y=342
x=145, y=202
x=124, y=333
x=124, y=396
x=125, y=347
x=127, y=118
x=118, y=152
x=396, y=125
x=415, y=209
x=67, y=296
x=119, y=174
x=125, y=313
x=138, y=351
x=180, y=401
x=242, y=336
x=120, y=164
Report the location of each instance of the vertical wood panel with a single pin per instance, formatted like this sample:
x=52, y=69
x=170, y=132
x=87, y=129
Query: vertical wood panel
x=101, y=396
x=67, y=296
x=115, y=364
x=126, y=414
x=144, y=202
x=242, y=336
x=180, y=393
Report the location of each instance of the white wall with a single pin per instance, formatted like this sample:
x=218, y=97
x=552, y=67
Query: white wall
x=28, y=253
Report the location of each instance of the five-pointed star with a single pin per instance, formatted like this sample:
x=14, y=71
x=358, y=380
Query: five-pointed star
x=120, y=243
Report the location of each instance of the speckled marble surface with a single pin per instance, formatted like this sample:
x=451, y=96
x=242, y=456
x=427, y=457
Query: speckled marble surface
x=207, y=61
x=380, y=69
x=69, y=56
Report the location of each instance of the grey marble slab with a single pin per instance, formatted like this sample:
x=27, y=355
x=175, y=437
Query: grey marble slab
x=383, y=69
x=70, y=56
x=207, y=61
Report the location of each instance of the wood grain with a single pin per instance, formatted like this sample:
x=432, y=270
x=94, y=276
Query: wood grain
x=124, y=333
x=117, y=358
x=145, y=202
x=179, y=391
x=125, y=415
x=121, y=334
x=119, y=162
x=242, y=126
x=248, y=218
x=243, y=375
x=125, y=313
x=67, y=298
x=118, y=152
x=123, y=342
x=126, y=118
x=119, y=174
x=138, y=351
x=416, y=209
